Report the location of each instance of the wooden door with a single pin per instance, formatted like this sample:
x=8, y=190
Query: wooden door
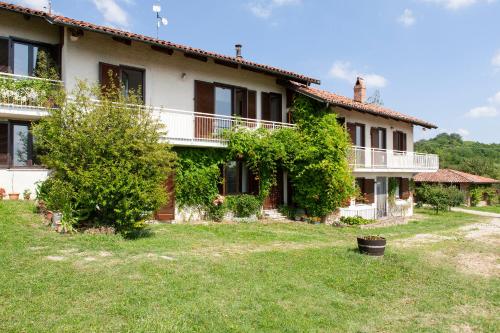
x=275, y=197
x=167, y=213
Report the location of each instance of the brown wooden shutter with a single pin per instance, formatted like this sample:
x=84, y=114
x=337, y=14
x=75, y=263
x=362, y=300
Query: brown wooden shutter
x=266, y=106
x=204, y=102
x=252, y=104
x=395, y=140
x=109, y=76
x=403, y=146
x=374, y=137
x=351, y=129
x=369, y=188
x=167, y=213
x=253, y=183
x=404, y=188
x=290, y=96
x=4, y=55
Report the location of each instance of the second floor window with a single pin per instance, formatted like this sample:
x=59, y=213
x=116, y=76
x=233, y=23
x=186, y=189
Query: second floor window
x=25, y=58
x=357, y=134
x=131, y=80
x=399, y=141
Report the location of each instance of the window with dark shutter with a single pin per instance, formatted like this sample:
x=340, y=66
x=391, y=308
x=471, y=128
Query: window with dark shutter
x=374, y=137
x=252, y=104
x=369, y=188
x=399, y=141
x=109, y=77
x=276, y=109
x=266, y=109
x=4, y=144
x=204, y=102
x=351, y=129
x=4, y=55
x=405, y=188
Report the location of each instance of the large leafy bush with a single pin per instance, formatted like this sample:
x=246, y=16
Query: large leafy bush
x=108, y=161
x=439, y=197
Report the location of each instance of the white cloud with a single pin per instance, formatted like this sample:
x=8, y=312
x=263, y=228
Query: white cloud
x=495, y=100
x=264, y=8
x=482, y=112
x=457, y=4
x=407, y=19
x=463, y=132
x=491, y=110
x=495, y=61
x=113, y=13
x=343, y=70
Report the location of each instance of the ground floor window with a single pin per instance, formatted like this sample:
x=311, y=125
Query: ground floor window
x=16, y=145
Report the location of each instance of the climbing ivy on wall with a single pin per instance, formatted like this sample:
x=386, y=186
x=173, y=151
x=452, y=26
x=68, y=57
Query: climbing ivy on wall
x=314, y=154
x=198, y=176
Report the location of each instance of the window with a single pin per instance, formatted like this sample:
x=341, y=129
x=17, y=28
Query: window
x=223, y=101
x=382, y=144
x=399, y=139
x=232, y=178
x=26, y=57
x=240, y=102
x=132, y=81
x=4, y=143
x=275, y=107
x=16, y=145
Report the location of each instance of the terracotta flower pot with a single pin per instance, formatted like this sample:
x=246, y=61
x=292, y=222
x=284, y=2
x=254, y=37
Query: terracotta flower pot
x=13, y=196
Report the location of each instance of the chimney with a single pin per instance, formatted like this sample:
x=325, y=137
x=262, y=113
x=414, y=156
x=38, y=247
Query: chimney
x=238, y=51
x=360, y=90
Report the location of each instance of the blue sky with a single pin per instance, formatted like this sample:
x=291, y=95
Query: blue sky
x=438, y=60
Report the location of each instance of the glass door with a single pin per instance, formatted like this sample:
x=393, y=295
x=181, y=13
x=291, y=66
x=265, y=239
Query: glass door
x=381, y=197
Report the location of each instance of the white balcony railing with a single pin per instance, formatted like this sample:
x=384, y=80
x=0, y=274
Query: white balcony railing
x=27, y=91
x=188, y=128
x=385, y=159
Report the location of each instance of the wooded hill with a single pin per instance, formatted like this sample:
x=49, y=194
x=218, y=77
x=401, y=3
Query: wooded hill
x=467, y=156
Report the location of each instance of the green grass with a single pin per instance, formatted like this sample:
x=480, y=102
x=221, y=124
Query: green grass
x=240, y=278
x=489, y=209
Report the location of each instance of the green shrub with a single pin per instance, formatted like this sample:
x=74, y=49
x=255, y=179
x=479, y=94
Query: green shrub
x=288, y=211
x=244, y=205
x=108, y=159
x=479, y=193
x=354, y=220
x=440, y=197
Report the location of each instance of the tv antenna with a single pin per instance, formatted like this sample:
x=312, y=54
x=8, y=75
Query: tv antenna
x=48, y=7
x=160, y=20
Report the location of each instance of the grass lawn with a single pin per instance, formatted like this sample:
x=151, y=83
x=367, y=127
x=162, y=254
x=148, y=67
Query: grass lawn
x=489, y=209
x=249, y=278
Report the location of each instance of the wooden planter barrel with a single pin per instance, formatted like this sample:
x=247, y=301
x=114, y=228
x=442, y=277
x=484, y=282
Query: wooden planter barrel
x=372, y=247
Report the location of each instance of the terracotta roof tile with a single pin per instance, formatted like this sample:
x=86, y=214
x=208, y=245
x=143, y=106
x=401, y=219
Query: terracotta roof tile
x=374, y=109
x=452, y=176
x=66, y=21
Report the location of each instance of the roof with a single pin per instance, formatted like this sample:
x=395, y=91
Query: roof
x=246, y=64
x=374, y=109
x=452, y=176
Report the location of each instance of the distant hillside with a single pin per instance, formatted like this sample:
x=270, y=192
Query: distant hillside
x=467, y=156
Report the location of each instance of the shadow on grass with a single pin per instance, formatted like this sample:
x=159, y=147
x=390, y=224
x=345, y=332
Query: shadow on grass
x=141, y=233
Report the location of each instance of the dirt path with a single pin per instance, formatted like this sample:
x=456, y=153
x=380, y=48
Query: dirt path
x=475, y=212
x=485, y=264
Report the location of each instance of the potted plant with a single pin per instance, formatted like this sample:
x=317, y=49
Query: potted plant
x=27, y=194
x=13, y=195
x=2, y=193
x=372, y=245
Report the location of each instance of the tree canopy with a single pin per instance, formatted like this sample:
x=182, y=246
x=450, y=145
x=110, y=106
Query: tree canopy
x=468, y=156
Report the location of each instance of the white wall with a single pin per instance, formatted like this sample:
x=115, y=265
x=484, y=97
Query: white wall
x=165, y=85
x=22, y=179
x=374, y=121
x=34, y=29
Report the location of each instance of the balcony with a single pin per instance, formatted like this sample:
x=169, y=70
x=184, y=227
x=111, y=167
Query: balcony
x=372, y=159
x=186, y=128
x=25, y=96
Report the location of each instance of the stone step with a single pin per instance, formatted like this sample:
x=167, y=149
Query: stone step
x=274, y=214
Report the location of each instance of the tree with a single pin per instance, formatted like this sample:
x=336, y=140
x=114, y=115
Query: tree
x=108, y=161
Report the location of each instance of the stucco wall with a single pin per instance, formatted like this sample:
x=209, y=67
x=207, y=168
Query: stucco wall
x=34, y=29
x=165, y=83
x=373, y=121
